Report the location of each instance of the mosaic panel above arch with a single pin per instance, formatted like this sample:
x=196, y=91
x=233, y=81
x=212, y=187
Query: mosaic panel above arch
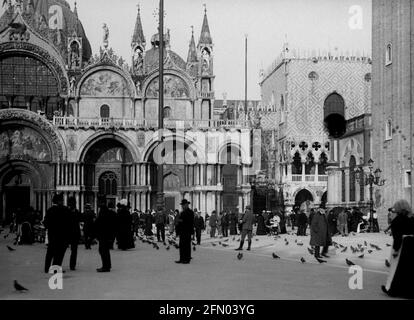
x=105, y=83
x=23, y=143
x=174, y=87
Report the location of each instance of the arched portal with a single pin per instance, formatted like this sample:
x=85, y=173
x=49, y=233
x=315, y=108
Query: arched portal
x=231, y=157
x=20, y=183
x=303, y=199
x=106, y=175
x=334, y=115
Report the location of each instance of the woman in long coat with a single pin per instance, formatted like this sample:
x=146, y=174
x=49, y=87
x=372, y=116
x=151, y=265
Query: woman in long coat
x=148, y=224
x=125, y=233
x=261, y=226
x=320, y=235
x=401, y=278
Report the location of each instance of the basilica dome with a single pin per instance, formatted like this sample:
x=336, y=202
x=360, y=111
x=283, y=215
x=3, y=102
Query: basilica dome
x=152, y=57
x=53, y=19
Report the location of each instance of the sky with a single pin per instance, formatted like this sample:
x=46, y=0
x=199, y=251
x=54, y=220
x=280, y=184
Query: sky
x=306, y=24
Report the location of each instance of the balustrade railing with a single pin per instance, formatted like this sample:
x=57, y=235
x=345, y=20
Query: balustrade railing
x=68, y=122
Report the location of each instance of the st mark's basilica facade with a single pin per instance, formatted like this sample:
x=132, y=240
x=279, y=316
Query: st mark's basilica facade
x=86, y=125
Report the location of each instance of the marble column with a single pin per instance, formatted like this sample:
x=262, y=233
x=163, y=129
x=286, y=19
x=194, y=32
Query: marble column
x=82, y=174
x=65, y=198
x=58, y=174
x=77, y=200
x=82, y=202
x=303, y=172
x=347, y=185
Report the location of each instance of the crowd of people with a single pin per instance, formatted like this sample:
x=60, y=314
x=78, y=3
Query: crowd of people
x=341, y=221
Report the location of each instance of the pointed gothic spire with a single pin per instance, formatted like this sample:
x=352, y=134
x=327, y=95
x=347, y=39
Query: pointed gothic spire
x=75, y=10
x=192, y=52
x=138, y=37
x=205, y=37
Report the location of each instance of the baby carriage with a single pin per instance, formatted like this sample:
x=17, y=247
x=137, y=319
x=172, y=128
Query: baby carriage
x=274, y=226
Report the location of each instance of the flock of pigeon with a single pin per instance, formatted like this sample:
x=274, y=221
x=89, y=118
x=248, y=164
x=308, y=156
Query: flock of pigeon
x=360, y=249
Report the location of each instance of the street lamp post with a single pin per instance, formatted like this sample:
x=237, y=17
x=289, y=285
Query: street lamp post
x=370, y=179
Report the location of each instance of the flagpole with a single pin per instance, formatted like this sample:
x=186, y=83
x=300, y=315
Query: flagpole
x=160, y=169
x=245, y=79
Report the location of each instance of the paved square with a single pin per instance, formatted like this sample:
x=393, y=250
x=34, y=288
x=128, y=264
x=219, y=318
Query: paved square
x=214, y=274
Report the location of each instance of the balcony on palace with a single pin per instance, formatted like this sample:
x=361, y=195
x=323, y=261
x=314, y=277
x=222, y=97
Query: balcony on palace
x=309, y=178
x=131, y=124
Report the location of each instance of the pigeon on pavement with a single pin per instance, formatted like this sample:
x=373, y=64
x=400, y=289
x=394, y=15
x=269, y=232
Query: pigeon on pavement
x=240, y=256
x=302, y=260
x=349, y=262
x=275, y=256
x=387, y=264
x=343, y=250
x=19, y=287
x=321, y=261
x=361, y=256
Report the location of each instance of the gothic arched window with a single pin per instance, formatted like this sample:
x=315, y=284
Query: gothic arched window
x=108, y=184
x=297, y=164
x=323, y=161
x=167, y=113
x=105, y=113
x=310, y=164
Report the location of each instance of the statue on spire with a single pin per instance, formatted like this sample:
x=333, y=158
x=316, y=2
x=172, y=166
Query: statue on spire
x=106, y=36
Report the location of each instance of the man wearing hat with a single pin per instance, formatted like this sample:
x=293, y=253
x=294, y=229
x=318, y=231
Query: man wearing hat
x=186, y=230
x=57, y=223
x=247, y=228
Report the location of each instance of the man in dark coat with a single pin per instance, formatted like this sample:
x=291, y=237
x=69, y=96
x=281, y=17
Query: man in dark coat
x=247, y=228
x=332, y=220
x=57, y=221
x=105, y=233
x=186, y=230
x=213, y=224
x=225, y=224
x=199, y=226
x=124, y=236
x=233, y=223
x=320, y=234
x=88, y=221
x=75, y=233
x=160, y=222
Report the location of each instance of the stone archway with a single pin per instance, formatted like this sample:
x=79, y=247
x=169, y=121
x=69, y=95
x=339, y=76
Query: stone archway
x=107, y=172
x=21, y=187
x=304, y=199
